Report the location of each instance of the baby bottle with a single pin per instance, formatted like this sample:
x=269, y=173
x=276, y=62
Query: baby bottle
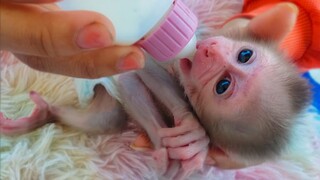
x=163, y=28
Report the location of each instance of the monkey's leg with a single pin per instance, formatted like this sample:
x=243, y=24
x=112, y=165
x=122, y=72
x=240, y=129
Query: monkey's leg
x=104, y=115
x=187, y=141
x=140, y=105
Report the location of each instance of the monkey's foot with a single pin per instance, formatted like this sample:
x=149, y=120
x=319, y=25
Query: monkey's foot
x=183, y=141
x=142, y=143
x=186, y=143
x=176, y=169
x=192, y=165
x=38, y=117
x=170, y=168
x=162, y=160
x=165, y=167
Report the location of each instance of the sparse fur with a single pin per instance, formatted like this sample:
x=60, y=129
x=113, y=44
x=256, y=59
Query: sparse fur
x=263, y=128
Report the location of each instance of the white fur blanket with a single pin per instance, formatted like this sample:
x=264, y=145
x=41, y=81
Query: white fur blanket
x=58, y=152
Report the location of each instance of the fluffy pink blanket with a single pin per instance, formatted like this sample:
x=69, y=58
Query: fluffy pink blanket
x=58, y=152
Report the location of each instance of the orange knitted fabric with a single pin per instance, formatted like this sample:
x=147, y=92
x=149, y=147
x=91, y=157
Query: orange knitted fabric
x=302, y=44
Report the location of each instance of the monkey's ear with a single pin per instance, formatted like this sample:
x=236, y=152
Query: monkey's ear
x=223, y=160
x=275, y=23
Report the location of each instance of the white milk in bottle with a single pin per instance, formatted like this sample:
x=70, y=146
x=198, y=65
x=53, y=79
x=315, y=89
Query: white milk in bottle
x=163, y=28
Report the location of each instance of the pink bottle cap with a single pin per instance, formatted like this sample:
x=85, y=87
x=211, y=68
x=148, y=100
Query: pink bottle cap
x=173, y=34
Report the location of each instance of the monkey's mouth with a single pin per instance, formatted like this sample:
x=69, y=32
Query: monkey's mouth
x=185, y=66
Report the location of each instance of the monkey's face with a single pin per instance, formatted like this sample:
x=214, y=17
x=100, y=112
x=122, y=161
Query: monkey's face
x=223, y=76
x=246, y=95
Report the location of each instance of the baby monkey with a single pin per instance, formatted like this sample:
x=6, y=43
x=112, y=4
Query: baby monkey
x=245, y=97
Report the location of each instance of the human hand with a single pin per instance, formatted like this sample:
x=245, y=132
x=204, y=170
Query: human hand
x=74, y=43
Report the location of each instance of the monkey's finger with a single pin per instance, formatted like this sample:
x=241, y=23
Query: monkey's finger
x=184, y=139
x=92, y=64
x=196, y=162
x=173, y=169
x=186, y=152
x=53, y=33
x=39, y=102
x=162, y=160
x=192, y=165
x=185, y=126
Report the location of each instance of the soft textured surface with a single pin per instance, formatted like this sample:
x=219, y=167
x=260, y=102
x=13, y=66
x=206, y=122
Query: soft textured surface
x=58, y=152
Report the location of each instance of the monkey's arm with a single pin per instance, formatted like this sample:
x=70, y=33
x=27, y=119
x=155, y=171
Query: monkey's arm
x=187, y=140
x=40, y=116
x=140, y=105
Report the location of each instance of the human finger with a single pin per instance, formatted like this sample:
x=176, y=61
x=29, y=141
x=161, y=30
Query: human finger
x=32, y=30
x=92, y=64
x=31, y=1
x=50, y=6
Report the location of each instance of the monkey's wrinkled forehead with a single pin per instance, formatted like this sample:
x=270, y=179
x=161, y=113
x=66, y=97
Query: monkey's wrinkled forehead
x=241, y=35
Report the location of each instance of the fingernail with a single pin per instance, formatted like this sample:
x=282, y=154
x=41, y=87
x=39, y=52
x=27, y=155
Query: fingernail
x=131, y=62
x=94, y=35
x=294, y=7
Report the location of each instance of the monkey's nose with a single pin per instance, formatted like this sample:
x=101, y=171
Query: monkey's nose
x=211, y=50
x=197, y=45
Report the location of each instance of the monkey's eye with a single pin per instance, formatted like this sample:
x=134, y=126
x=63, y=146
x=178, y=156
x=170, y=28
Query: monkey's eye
x=222, y=86
x=245, y=55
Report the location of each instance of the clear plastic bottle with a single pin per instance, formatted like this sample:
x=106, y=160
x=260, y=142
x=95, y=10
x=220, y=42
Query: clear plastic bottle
x=163, y=28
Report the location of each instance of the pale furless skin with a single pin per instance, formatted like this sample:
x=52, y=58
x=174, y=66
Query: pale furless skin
x=243, y=92
x=139, y=90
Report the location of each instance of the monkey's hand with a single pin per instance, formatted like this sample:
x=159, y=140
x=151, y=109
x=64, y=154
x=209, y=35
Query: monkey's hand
x=177, y=169
x=38, y=117
x=187, y=142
